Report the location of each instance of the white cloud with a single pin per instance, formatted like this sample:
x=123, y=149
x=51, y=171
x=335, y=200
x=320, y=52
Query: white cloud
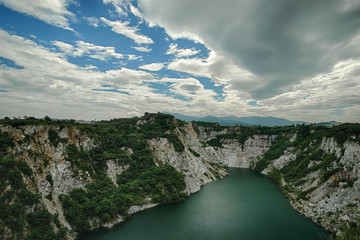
x=94, y=51
x=53, y=12
x=142, y=49
x=189, y=87
x=88, y=49
x=320, y=96
x=194, y=66
x=135, y=11
x=221, y=70
x=153, y=66
x=93, y=21
x=181, y=52
x=64, y=47
x=122, y=7
x=50, y=85
x=123, y=28
x=313, y=99
x=125, y=76
x=119, y=5
x=133, y=57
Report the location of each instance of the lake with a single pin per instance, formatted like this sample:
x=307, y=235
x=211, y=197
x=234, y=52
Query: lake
x=244, y=206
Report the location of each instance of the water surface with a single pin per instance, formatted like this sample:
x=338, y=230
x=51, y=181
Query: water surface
x=244, y=206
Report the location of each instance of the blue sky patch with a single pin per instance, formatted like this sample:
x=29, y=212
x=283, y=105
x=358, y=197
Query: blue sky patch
x=114, y=90
x=254, y=104
x=9, y=63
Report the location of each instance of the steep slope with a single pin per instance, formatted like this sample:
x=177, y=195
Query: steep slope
x=317, y=167
x=60, y=178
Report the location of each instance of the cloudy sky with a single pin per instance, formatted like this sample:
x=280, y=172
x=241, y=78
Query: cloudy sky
x=102, y=59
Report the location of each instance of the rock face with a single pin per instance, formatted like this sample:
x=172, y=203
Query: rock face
x=197, y=167
x=332, y=203
x=336, y=202
x=53, y=174
x=114, y=169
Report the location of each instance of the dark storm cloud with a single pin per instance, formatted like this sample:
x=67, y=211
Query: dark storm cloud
x=280, y=41
x=289, y=41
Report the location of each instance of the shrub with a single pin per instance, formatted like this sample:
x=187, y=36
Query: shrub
x=5, y=142
x=194, y=152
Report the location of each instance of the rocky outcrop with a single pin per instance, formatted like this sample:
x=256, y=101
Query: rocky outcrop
x=114, y=169
x=333, y=203
x=280, y=162
x=53, y=174
x=197, y=170
x=336, y=203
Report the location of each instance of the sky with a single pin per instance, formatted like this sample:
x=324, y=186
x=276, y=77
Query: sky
x=104, y=59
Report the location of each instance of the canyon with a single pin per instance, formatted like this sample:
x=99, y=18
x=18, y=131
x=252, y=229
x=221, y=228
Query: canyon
x=60, y=165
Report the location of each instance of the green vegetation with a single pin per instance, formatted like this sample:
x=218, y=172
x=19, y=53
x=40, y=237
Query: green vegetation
x=54, y=137
x=215, y=142
x=40, y=226
x=102, y=199
x=5, y=142
x=349, y=233
x=303, y=194
x=306, y=146
x=17, y=122
x=209, y=125
x=194, y=152
x=276, y=150
x=246, y=132
x=242, y=133
x=16, y=199
x=275, y=175
x=342, y=132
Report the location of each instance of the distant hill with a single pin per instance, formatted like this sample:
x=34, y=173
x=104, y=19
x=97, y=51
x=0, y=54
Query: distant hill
x=328, y=124
x=241, y=121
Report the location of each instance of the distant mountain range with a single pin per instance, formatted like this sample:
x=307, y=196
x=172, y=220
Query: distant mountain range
x=249, y=121
x=243, y=121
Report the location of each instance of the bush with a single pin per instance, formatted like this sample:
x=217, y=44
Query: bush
x=276, y=150
x=40, y=226
x=215, y=142
x=194, y=152
x=54, y=138
x=327, y=174
x=275, y=175
x=24, y=168
x=5, y=142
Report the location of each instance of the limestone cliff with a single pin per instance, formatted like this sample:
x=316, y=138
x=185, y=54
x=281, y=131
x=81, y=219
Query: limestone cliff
x=317, y=168
x=325, y=187
x=330, y=196
x=83, y=176
x=62, y=158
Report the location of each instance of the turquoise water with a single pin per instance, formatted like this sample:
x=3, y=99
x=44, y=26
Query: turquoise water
x=244, y=206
